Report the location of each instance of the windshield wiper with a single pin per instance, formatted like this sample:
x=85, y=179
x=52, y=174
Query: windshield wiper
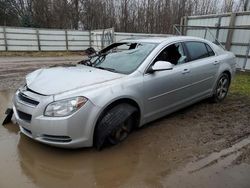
x=99, y=58
x=106, y=68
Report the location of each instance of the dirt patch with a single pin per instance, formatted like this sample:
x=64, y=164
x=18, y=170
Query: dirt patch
x=244, y=157
x=209, y=127
x=14, y=69
x=39, y=54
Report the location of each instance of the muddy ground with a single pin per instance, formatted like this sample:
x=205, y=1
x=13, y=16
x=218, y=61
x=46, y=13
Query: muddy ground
x=204, y=145
x=13, y=69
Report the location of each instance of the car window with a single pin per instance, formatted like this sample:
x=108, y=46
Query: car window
x=197, y=50
x=173, y=53
x=124, y=60
x=210, y=51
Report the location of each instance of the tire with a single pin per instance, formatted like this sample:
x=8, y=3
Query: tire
x=114, y=125
x=221, y=89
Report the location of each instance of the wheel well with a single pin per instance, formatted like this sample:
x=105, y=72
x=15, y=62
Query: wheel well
x=127, y=101
x=229, y=75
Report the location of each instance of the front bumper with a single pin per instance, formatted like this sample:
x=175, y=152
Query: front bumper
x=73, y=131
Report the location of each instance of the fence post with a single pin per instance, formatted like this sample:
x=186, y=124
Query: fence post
x=230, y=31
x=113, y=35
x=103, y=38
x=218, y=28
x=38, y=40
x=66, y=40
x=246, y=58
x=205, y=34
x=181, y=26
x=90, y=38
x=5, y=38
x=185, y=25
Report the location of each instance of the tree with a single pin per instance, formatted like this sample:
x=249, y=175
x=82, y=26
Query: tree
x=149, y=16
x=8, y=15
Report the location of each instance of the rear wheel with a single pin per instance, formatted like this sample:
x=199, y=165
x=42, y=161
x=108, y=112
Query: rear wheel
x=221, y=89
x=115, y=125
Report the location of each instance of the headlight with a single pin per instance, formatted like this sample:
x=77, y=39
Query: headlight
x=64, y=107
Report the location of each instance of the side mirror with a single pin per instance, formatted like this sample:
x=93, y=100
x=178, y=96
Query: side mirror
x=162, y=65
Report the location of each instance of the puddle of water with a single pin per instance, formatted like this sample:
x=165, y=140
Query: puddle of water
x=5, y=98
x=30, y=164
x=6, y=102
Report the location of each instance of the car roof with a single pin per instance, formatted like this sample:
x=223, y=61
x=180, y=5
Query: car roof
x=161, y=39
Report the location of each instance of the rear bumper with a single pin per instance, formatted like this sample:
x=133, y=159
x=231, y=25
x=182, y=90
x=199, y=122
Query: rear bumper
x=73, y=131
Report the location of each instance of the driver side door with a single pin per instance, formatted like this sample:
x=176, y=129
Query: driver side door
x=167, y=90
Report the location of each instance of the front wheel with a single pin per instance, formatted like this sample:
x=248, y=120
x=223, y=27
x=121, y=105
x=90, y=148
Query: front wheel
x=115, y=125
x=222, y=88
x=121, y=132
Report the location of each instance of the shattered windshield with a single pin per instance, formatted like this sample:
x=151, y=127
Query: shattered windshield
x=124, y=58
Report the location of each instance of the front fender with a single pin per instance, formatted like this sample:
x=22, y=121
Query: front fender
x=128, y=89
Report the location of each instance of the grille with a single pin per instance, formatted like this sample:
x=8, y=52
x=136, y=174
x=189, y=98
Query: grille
x=24, y=116
x=55, y=138
x=25, y=99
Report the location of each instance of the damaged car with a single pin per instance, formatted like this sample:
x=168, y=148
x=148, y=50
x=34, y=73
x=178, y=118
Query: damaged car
x=101, y=100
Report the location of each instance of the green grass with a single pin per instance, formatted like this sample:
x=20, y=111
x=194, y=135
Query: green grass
x=241, y=84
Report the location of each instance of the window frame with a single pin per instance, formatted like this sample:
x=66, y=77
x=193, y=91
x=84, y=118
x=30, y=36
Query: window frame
x=207, y=45
x=153, y=59
x=188, y=53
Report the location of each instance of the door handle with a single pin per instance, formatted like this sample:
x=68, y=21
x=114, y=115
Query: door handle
x=185, y=71
x=216, y=62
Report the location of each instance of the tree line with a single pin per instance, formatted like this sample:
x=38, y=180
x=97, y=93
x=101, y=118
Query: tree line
x=148, y=16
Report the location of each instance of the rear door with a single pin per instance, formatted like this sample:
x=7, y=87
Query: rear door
x=204, y=65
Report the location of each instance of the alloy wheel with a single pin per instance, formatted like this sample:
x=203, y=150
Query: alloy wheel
x=222, y=87
x=121, y=133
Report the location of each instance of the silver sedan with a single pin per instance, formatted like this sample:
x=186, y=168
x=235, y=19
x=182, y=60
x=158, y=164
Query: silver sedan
x=124, y=86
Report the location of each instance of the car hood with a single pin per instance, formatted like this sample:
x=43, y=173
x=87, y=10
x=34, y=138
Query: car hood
x=61, y=79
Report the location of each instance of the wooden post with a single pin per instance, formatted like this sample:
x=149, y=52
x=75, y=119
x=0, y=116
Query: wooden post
x=38, y=40
x=66, y=40
x=5, y=38
x=230, y=32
